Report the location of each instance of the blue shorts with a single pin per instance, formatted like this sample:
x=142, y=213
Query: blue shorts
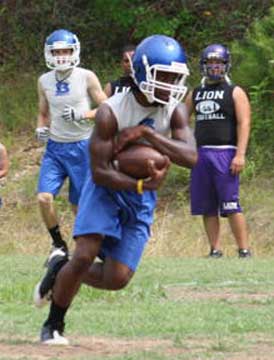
x=123, y=217
x=213, y=188
x=61, y=161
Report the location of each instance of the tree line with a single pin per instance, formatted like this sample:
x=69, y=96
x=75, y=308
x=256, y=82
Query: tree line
x=105, y=26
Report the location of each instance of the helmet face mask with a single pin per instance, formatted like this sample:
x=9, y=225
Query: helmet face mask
x=214, y=70
x=62, y=60
x=153, y=88
x=215, y=62
x=159, y=69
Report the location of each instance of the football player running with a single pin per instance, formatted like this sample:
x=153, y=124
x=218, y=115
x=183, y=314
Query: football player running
x=66, y=94
x=119, y=229
x=222, y=127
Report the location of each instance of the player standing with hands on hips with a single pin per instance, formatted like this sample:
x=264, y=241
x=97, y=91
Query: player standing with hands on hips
x=222, y=127
x=115, y=210
x=65, y=98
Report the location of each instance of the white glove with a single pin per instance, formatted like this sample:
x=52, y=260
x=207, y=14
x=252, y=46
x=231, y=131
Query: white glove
x=42, y=134
x=71, y=114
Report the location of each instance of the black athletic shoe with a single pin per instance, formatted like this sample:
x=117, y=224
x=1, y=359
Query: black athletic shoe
x=52, y=334
x=42, y=291
x=52, y=251
x=244, y=253
x=216, y=254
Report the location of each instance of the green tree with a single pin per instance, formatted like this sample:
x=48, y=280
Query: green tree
x=254, y=69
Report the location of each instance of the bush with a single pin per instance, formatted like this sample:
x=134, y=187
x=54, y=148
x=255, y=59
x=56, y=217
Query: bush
x=104, y=27
x=253, y=69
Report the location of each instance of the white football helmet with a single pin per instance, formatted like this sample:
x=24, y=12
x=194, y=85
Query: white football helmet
x=62, y=39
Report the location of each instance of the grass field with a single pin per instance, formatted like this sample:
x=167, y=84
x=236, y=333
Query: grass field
x=175, y=308
x=179, y=305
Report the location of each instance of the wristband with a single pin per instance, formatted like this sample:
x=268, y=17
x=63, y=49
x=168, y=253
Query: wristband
x=140, y=184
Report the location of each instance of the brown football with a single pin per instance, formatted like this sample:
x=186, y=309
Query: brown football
x=133, y=160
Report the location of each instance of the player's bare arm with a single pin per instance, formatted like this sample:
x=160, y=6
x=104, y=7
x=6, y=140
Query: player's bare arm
x=243, y=116
x=107, y=89
x=43, y=108
x=102, y=152
x=43, y=119
x=96, y=93
x=189, y=104
x=180, y=149
x=4, y=162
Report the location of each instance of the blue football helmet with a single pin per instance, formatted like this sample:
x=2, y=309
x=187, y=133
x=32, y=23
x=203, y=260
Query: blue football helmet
x=62, y=39
x=160, y=53
x=215, y=52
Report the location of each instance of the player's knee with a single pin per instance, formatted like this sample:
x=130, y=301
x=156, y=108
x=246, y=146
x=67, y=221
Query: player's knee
x=81, y=263
x=45, y=199
x=118, y=281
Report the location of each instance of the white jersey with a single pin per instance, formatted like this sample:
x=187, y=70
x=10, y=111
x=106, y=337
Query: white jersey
x=71, y=91
x=129, y=112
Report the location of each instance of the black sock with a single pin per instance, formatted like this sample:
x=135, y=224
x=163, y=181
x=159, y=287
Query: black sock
x=57, y=237
x=56, y=314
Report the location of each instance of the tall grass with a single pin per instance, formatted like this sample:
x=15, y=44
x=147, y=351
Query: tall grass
x=174, y=233
x=18, y=103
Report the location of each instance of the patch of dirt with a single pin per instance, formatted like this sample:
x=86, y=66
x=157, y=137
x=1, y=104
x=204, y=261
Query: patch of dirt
x=176, y=293
x=29, y=157
x=80, y=347
x=94, y=347
x=256, y=352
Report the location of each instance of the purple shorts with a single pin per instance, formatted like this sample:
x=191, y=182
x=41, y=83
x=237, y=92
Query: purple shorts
x=214, y=190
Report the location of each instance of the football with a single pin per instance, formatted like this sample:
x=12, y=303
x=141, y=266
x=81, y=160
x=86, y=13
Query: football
x=132, y=161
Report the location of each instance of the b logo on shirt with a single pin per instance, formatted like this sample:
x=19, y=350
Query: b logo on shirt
x=62, y=88
x=148, y=122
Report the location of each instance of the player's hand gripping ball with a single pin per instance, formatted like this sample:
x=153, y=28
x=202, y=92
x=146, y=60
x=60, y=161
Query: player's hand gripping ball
x=133, y=160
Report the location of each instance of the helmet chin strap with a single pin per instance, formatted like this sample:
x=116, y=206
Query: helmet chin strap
x=149, y=98
x=227, y=79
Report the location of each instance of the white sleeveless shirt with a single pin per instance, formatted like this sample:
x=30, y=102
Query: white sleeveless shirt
x=129, y=112
x=72, y=91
